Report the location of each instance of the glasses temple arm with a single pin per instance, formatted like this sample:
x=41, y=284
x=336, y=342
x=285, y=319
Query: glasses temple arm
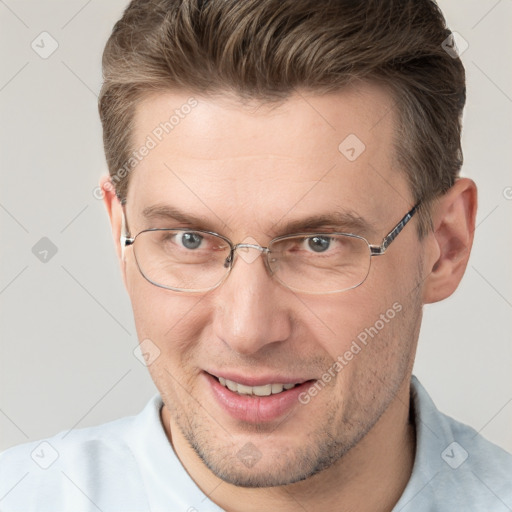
x=386, y=242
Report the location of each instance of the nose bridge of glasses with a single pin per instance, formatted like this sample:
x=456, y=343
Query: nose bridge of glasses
x=243, y=250
x=250, y=246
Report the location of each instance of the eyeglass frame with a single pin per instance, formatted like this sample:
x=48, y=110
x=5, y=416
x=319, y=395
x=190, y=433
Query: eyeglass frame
x=375, y=250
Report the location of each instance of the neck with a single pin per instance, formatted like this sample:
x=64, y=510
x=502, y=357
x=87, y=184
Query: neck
x=370, y=477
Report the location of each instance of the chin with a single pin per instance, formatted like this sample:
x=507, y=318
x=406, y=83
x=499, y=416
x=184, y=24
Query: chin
x=249, y=467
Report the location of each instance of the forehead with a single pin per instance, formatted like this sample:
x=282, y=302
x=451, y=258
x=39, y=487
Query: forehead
x=258, y=164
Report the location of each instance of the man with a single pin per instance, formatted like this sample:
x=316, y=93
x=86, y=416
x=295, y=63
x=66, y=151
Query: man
x=284, y=198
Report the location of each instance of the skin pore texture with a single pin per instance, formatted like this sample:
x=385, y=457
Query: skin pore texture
x=247, y=171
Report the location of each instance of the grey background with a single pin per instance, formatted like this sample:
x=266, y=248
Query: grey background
x=67, y=333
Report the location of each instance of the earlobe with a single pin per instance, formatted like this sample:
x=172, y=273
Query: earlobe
x=448, y=254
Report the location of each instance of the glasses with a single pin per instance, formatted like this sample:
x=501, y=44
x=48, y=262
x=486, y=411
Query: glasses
x=185, y=260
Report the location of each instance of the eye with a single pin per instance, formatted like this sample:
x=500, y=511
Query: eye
x=318, y=243
x=190, y=240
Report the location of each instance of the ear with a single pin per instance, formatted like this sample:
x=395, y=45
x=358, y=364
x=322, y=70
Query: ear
x=116, y=216
x=454, y=227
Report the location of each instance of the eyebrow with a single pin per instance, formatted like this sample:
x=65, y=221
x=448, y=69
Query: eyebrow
x=339, y=221
x=344, y=222
x=167, y=212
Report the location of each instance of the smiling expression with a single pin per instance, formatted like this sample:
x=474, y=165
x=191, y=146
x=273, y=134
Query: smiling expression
x=234, y=360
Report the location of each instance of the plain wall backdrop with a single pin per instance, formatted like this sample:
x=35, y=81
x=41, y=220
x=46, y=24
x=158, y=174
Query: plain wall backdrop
x=67, y=333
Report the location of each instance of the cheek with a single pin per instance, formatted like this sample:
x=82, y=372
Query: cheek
x=335, y=324
x=377, y=310
x=172, y=321
x=170, y=325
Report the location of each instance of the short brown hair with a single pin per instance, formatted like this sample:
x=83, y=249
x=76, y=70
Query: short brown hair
x=265, y=49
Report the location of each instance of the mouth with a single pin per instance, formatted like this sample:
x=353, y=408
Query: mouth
x=256, y=400
x=264, y=390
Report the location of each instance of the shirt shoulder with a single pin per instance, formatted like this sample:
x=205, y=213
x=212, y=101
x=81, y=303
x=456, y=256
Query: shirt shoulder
x=74, y=470
x=455, y=467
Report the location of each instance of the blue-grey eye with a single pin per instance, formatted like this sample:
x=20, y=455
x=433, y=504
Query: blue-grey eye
x=319, y=243
x=191, y=240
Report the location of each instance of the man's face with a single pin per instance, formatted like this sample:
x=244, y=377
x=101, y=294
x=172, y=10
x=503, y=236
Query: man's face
x=251, y=172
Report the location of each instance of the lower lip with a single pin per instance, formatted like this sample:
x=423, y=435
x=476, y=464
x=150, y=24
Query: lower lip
x=256, y=409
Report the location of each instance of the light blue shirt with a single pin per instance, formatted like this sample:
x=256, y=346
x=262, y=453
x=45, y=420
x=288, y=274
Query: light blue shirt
x=129, y=465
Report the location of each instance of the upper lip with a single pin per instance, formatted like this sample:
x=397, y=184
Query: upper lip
x=259, y=380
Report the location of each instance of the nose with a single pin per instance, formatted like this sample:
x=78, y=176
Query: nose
x=251, y=309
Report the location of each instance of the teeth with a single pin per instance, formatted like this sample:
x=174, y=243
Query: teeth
x=243, y=390
x=277, y=388
x=266, y=390
x=232, y=386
